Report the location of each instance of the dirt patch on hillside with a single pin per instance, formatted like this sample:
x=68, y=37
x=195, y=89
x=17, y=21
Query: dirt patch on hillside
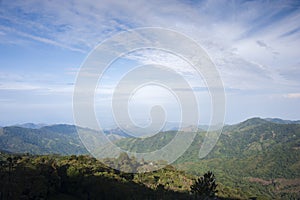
x=280, y=184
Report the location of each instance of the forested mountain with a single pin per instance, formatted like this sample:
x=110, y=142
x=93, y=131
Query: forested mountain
x=31, y=125
x=255, y=158
x=56, y=139
x=53, y=139
x=84, y=177
x=282, y=121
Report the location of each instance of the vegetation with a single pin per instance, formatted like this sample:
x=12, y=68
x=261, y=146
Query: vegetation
x=84, y=177
x=255, y=158
x=56, y=139
x=205, y=187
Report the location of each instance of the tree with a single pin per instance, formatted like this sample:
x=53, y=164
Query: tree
x=205, y=187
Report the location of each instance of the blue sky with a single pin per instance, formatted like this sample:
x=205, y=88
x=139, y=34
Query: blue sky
x=254, y=45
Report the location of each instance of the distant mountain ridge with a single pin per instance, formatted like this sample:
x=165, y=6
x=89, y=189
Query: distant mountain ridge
x=169, y=126
x=49, y=139
x=282, y=121
x=31, y=125
x=117, y=132
x=56, y=139
x=64, y=139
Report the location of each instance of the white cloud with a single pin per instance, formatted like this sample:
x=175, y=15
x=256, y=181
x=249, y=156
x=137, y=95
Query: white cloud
x=292, y=95
x=41, y=83
x=254, y=44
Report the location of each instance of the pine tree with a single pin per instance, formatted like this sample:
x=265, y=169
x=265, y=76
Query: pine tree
x=205, y=187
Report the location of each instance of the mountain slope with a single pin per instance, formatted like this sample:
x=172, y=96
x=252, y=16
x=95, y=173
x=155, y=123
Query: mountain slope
x=254, y=158
x=31, y=125
x=56, y=139
x=84, y=177
x=282, y=121
x=274, y=146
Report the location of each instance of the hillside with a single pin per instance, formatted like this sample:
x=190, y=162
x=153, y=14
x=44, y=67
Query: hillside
x=282, y=121
x=25, y=176
x=55, y=139
x=84, y=177
x=255, y=158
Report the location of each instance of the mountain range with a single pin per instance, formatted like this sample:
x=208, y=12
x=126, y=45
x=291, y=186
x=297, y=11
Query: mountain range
x=257, y=157
x=64, y=139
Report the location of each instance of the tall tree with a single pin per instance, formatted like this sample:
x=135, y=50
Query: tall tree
x=205, y=186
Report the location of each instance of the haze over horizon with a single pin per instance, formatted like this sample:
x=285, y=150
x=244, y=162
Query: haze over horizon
x=254, y=45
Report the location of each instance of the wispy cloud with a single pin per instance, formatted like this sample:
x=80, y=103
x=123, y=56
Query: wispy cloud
x=292, y=95
x=254, y=44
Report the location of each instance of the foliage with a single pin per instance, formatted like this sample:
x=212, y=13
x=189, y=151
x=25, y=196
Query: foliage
x=255, y=158
x=205, y=186
x=255, y=148
x=83, y=177
x=56, y=139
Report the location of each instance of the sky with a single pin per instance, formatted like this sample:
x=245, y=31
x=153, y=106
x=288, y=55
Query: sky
x=253, y=44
